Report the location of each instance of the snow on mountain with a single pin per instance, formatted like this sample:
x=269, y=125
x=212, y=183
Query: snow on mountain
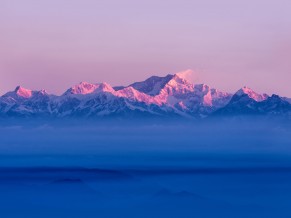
x=177, y=87
x=88, y=100
x=22, y=92
x=24, y=102
x=274, y=105
x=134, y=95
x=247, y=102
x=176, y=90
x=21, y=96
x=184, y=96
x=156, y=95
x=243, y=102
x=255, y=96
x=85, y=88
x=219, y=98
x=169, y=96
x=126, y=103
x=153, y=85
x=82, y=88
x=19, y=92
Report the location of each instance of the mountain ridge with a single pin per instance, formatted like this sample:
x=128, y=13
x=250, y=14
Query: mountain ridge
x=169, y=96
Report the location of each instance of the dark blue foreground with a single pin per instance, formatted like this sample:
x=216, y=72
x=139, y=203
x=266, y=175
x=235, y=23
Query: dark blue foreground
x=196, y=192
x=239, y=170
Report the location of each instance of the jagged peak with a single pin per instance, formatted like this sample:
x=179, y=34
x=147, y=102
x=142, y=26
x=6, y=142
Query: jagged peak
x=168, y=76
x=252, y=94
x=156, y=85
x=84, y=88
x=105, y=87
x=202, y=87
x=23, y=92
x=177, y=85
x=170, y=93
x=81, y=88
x=153, y=85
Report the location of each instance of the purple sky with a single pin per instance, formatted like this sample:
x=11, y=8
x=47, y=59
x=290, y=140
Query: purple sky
x=53, y=44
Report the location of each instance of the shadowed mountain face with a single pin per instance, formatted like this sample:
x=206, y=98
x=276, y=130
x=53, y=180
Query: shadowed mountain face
x=245, y=105
x=167, y=97
x=153, y=85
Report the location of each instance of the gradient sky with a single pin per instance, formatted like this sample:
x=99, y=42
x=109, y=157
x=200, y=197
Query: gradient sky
x=53, y=44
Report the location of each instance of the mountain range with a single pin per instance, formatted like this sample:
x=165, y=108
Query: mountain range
x=171, y=96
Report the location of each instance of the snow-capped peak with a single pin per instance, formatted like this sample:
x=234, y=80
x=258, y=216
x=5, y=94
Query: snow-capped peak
x=252, y=94
x=153, y=85
x=22, y=92
x=172, y=94
x=85, y=88
x=177, y=86
x=104, y=87
x=156, y=85
x=82, y=88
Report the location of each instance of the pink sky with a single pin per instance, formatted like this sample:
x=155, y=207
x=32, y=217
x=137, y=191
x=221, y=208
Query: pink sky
x=53, y=44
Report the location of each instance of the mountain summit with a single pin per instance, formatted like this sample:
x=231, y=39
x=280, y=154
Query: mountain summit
x=251, y=94
x=171, y=96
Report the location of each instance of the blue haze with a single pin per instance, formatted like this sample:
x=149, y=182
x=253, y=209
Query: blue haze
x=204, y=169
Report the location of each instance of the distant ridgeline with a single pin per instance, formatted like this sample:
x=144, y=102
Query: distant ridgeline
x=166, y=97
